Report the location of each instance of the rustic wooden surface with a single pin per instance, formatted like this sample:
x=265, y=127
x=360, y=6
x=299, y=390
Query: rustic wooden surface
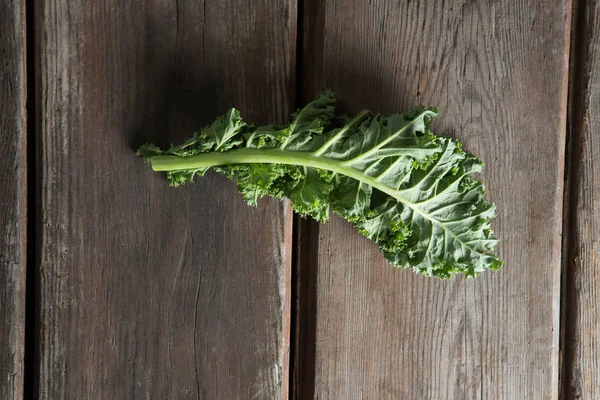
x=497, y=70
x=582, y=314
x=147, y=291
x=13, y=197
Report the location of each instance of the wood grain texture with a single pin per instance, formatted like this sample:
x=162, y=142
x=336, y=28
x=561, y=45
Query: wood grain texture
x=582, y=314
x=497, y=70
x=13, y=197
x=148, y=291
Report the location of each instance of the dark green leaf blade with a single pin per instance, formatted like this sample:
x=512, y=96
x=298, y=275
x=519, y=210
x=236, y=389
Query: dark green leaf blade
x=409, y=191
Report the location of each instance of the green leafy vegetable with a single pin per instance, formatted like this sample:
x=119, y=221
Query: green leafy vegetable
x=404, y=188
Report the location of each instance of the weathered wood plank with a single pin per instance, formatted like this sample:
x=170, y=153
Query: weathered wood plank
x=13, y=197
x=582, y=314
x=497, y=71
x=148, y=291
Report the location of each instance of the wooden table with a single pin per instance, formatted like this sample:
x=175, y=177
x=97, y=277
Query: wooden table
x=115, y=286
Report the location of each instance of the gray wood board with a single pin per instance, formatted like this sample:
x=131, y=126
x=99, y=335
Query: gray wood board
x=582, y=316
x=497, y=70
x=149, y=291
x=13, y=197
